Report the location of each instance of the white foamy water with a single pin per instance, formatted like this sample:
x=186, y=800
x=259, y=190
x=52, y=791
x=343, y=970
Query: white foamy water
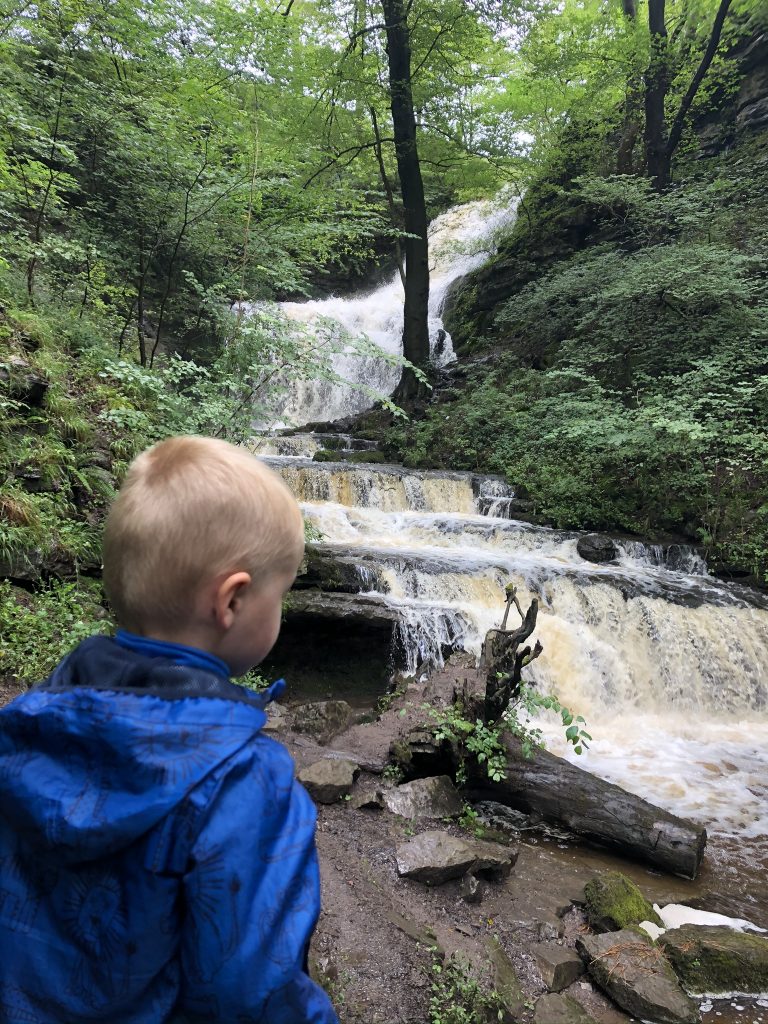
x=667, y=665
x=460, y=240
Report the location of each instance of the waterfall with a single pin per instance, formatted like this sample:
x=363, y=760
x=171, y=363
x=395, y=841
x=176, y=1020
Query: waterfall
x=460, y=240
x=666, y=663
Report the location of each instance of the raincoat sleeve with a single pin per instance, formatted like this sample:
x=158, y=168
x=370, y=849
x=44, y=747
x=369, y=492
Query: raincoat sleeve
x=252, y=899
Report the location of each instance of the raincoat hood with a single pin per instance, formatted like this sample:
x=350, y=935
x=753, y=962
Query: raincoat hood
x=111, y=743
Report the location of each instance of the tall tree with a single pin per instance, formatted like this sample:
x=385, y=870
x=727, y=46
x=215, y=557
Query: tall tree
x=415, y=313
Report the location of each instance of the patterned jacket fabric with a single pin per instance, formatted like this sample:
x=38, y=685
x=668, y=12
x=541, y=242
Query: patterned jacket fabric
x=157, y=858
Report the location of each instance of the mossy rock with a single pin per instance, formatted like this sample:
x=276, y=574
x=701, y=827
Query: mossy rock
x=324, y=455
x=614, y=902
x=717, y=959
x=372, y=455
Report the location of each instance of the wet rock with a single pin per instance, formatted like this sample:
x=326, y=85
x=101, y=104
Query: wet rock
x=596, y=547
x=492, y=859
x=615, y=902
x=505, y=981
x=471, y=889
x=560, y=966
x=435, y=857
x=636, y=975
x=718, y=959
x=435, y=797
x=329, y=780
x=370, y=798
x=556, y=1009
x=322, y=719
x=501, y=818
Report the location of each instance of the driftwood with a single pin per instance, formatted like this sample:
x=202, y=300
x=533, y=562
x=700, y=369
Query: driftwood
x=503, y=662
x=557, y=791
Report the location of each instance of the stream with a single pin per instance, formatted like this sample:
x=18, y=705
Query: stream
x=666, y=663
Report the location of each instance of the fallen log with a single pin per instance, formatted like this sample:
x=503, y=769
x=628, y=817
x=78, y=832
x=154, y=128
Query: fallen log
x=559, y=792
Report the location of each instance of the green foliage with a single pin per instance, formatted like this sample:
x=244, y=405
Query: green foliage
x=253, y=680
x=457, y=998
x=38, y=630
x=483, y=743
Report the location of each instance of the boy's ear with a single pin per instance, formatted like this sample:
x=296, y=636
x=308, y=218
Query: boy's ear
x=228, y=596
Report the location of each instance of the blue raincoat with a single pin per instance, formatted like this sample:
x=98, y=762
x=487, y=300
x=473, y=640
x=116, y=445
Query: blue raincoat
x=157, y=858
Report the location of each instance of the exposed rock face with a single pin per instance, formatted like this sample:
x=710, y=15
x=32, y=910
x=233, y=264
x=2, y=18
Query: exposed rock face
x=556, y=1009
x=322, y=719
x=752, y=103
x=595, y=547
x=718, y=959
x=560, y=966
x=636, y=975
x=329, y=780
x=614, y=902
x=425, y=798
x=435, y=857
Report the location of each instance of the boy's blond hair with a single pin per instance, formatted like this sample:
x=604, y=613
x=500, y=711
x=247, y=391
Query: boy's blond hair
x=190, y=509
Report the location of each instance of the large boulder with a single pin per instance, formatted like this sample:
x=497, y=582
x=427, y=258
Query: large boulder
x=329, y=780
x=636, y=975
x=322, y=719
x=435, y=857
x=718, y=959
x=596, y=547
x=435, y=797
x=614, y=902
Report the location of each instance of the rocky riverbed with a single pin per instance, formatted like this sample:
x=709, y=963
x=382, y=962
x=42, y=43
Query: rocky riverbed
x=383, y=939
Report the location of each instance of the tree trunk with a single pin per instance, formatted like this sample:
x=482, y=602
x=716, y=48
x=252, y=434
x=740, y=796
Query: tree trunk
x=656, y=88
x=678, y=124
x=560, y=792
x=595, y=809
x=415, y=329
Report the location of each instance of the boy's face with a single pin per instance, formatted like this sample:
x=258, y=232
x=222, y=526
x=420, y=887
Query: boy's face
x=257, y=623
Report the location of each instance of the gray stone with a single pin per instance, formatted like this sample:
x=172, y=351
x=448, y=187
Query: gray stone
x=636, y=975
x=434, y=858
x=425, y=798
x=557, y=1009
x=322, y=719
x=329, y=780
x=505, y=981
x=278, y=718
x=369, y=798
x=596, y=547
x=560, y=966
x=471, y=889
x=492, y=859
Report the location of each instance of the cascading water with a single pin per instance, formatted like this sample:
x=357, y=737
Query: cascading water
x=666, y=663
x=460, y=240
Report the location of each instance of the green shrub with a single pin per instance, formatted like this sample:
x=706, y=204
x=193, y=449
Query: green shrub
x=39, y=629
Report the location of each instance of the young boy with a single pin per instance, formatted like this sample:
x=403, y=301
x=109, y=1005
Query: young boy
x=157, y=858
